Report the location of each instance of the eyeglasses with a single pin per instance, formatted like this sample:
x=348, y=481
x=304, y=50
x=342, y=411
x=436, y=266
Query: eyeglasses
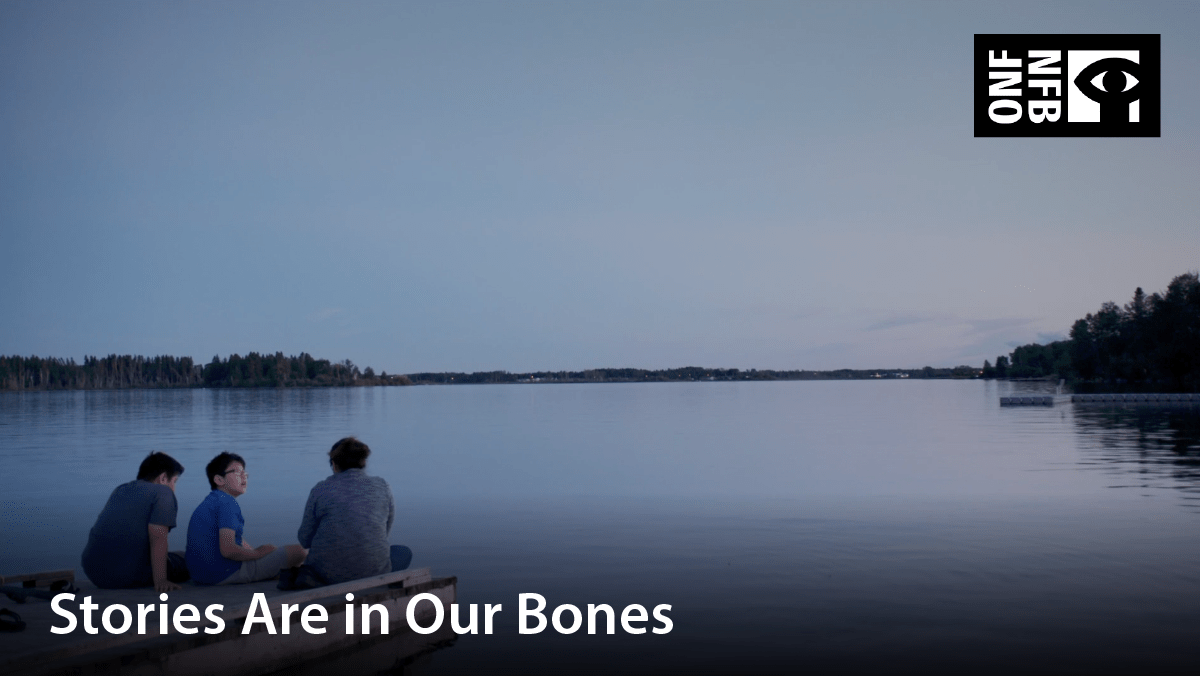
x=241, y=472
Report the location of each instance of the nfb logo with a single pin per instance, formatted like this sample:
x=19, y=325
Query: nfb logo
x=1111, y=85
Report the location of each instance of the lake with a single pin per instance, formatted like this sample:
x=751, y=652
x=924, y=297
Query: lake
x=832, y=526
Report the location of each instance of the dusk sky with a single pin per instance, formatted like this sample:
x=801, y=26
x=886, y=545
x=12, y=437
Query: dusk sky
x=566, y=185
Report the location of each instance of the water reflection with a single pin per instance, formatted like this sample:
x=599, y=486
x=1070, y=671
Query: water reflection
x=1150, y=446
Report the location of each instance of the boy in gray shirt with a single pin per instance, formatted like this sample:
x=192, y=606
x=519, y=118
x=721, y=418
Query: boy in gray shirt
x=127, y=546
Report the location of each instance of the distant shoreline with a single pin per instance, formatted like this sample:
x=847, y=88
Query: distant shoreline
x=255, y=371
x=686, y=374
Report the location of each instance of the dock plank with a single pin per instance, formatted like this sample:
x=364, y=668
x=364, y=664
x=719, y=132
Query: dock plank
x=43, y=579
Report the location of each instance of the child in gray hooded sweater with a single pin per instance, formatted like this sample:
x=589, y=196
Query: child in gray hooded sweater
x=347, y=520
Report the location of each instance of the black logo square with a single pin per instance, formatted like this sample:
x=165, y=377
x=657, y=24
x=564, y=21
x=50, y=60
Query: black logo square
x=1068, y=85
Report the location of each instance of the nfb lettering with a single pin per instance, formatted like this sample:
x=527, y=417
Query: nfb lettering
x=1007, y=83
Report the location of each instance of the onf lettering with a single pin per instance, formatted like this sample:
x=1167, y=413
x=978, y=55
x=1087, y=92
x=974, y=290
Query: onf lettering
x=1067, y=85
x=1042, y=63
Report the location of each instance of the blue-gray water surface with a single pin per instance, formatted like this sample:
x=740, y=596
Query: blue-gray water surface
x=832, y=526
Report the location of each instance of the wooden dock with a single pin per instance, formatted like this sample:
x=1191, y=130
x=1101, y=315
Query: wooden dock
x=1103, y=399
x=1150, y=398
x=38, y=651
x=1028, y=400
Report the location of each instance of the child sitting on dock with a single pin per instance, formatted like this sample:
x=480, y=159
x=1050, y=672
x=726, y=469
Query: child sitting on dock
x=347, y=520
x=127, y=547
x=216, y=551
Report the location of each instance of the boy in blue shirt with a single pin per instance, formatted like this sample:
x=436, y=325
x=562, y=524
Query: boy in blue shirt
x=216, y=551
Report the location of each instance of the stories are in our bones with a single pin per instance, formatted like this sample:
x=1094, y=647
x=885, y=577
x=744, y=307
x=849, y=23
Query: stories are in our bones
x=566, y=618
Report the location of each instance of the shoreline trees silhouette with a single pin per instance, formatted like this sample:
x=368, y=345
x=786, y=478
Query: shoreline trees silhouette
x=116, y=372
x=1152, y=340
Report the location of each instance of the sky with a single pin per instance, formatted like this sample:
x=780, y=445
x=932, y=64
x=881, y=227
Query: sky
x=526, y=186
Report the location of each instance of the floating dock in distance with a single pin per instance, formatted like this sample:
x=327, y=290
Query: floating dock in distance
x=37, y=652
x=1028, y=400
x=1185, y=399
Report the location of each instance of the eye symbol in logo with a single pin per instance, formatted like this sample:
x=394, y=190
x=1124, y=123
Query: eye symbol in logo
x=1113, y=83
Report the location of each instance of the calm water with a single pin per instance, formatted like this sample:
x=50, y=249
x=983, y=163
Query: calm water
x=853, y=526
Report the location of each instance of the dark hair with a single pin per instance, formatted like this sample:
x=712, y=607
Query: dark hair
x=349, y=453
x=158, y=463
x=218, y=465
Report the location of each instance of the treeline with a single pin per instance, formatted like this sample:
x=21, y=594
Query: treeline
x=1153, y=339
x=685, y=374
x=130, y=372
x=97, y=373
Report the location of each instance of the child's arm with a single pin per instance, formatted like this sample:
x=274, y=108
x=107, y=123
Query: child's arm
x=158, y=558
x=231, y=550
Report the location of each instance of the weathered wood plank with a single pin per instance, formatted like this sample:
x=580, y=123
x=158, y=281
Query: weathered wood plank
x=43, y=579
x=341, y=589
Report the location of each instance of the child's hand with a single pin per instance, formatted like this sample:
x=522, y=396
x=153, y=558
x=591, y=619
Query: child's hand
x=165, y=586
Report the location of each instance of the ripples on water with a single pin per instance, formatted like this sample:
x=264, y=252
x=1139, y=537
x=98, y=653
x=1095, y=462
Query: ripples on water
x=1144, y=446
x=861, y=526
